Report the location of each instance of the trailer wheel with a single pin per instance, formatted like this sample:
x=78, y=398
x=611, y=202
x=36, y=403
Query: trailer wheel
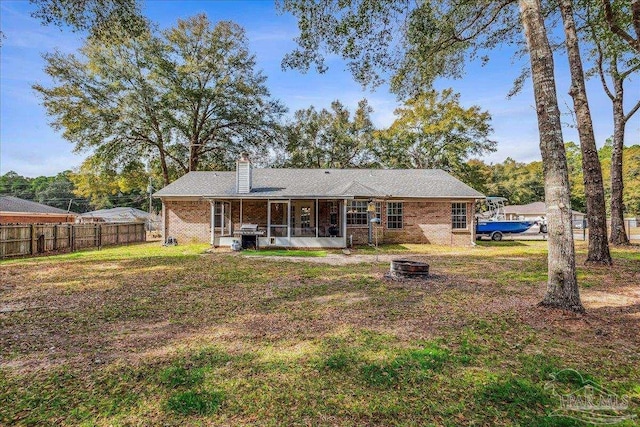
x=544, y=228
x=496, y=236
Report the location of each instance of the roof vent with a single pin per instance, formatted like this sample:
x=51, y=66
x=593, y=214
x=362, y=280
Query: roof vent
x=243, y=174
x=327, y=172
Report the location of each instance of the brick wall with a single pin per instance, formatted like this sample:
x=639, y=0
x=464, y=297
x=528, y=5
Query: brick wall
x=423, y=222
x=19, y=218
x=253, y=212
x=188, y=221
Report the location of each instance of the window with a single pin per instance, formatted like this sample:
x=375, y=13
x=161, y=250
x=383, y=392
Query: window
x=219, y=215
x=458, y=216
x=357, y=212
x=394, y=215
x=333, y=213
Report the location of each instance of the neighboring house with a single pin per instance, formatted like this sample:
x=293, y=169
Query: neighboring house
x=118, y=215
x=318, y=207
x=14, y=210
x=536, y=211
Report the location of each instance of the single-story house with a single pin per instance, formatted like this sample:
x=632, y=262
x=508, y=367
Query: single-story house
x=536, y=211
x=329, y=208
x=14, y=210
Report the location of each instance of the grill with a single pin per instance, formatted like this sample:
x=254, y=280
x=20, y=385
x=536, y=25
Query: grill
x=249, y=236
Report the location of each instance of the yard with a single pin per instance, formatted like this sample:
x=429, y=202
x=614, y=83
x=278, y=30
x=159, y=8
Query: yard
x=146, y=335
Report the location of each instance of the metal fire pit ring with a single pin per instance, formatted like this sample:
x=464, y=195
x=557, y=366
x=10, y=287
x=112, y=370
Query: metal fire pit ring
x=406, y=269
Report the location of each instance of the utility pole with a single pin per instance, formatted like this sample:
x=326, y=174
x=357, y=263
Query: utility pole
x=150, y=191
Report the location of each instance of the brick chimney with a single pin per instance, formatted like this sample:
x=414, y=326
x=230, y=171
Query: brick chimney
x=243, y=174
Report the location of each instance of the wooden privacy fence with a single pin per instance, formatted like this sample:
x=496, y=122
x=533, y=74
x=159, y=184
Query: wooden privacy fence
x=31, y=239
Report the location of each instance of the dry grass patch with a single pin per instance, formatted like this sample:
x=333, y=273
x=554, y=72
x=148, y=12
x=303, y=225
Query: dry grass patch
x=152, y=335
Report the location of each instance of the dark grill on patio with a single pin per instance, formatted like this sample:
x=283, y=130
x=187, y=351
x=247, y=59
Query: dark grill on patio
x=249, y=234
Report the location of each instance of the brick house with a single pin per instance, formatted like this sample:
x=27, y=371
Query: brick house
x=14, y=210
x=330, y=208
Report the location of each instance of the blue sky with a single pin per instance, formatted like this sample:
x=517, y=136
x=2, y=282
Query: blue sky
x=29, y=146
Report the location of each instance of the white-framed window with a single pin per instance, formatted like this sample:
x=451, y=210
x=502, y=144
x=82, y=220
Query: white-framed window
x=394, y=215
x=221, y=214
x=357, y=212
x=458, y=216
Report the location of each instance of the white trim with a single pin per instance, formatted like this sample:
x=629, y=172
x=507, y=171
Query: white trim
x=343, y=221
x=212, y=204
x=289, y=219
x=280, y=201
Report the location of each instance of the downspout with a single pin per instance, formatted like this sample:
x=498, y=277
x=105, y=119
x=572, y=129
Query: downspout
x=164, y=221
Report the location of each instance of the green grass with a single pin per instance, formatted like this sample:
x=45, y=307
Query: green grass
x=286, y=252
x=146, y=335
x=195, y=403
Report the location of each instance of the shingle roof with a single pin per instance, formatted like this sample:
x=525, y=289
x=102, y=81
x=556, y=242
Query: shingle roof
x=296, y=183
x=535, y=208
x=16, y=204
x=117, y=214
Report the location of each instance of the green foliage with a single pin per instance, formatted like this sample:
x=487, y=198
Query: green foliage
x=102, y=18
x=520, y=183
x=186, y=98
x=631, y=176
x=177, y=376
x=433, y=130
x=56, y=191
x=328, y=138
x=106, y=185
x=286, y=252
x=407, y=44
x=195, y=402
x=409, y=365
x=338, y=361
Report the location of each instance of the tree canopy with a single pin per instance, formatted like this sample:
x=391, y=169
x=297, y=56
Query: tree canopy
x=329, y=138
x=432, y=130
x=186, y=98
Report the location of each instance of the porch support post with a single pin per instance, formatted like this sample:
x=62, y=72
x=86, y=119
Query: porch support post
x=343, y=221
x=268, y=218
x=212, y=203
x=222, y=214
x=289, y=219
x=471, y=223
x=316, y=215
x=240, y=212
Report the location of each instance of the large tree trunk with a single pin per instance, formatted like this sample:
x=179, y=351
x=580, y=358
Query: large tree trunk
x=592, y=171
x=618, y=232
x=163, y=165
x=562, y=285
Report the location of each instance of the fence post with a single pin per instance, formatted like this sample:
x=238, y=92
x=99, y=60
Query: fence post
x=117, y=234
x=72, y=237
x=99, y=236
x=55, y=237
x=628, y=229
x=33, y=239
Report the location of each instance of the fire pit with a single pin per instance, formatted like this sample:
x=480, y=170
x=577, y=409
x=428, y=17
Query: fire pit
x=408, y=269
